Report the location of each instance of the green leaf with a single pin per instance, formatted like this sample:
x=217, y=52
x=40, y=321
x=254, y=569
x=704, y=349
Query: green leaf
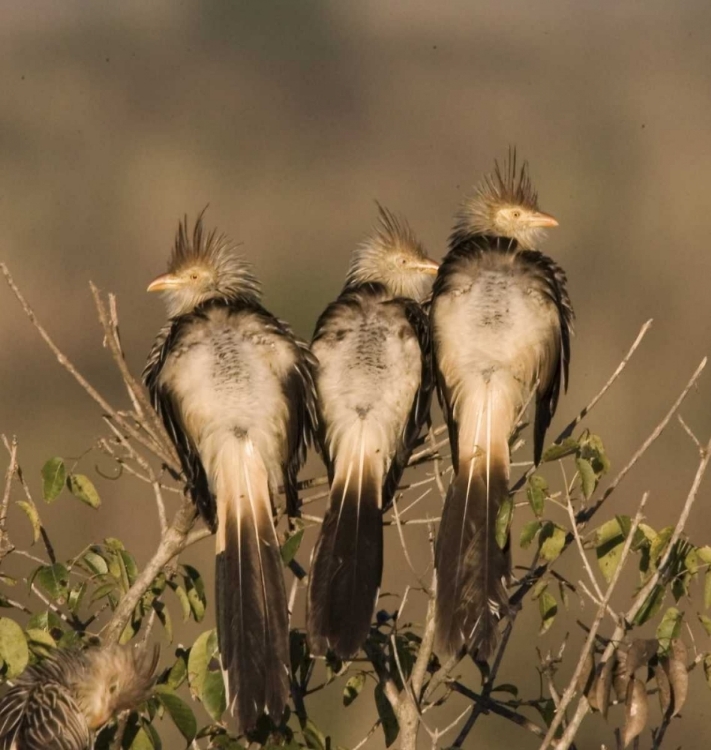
x=13, y=648
x=707, y=669
x=707, y=589
x=560, y=450
x=593, y=450
x=54, y=475
x=33, y=515
x=299, y=655
x=163, y=614
x=83, y=489
x=552, y=541
x=179, y=671
x=353, y=687
x=179, y=711
x=669, y=628
x=503, y=521
x=195, y=589
x=155, y=737
x=548, y=608
x=48, y=621
x=213, y=695
x=103, y=591
x=42, y=637
x=537, y=491
x=704, y=554
x=314, y=737
x=205, y=684
x=76, y=595
x=95, y=562
x=539, y=588
x=659, y=544
x=291, y=546
x=388, y=720
x=182, y=598
x=706, y=622
x=54, y=580
x=651, y=605
x=129, y=569
x=609, y=541
x=528, y=532
x=588, y=480
x=142, y=741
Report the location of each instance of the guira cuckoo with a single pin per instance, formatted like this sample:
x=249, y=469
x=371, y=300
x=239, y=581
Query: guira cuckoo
x=374, y=383
x=501, y=325
x=234, y=388
x=59, y=703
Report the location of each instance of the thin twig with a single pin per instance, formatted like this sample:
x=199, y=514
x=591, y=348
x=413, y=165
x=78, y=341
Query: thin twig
x=5, y=544
x=590, y=641
x=497, y=708
x=65, y=362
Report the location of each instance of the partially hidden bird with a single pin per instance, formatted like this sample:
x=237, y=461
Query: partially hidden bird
x=61, y=702
x=234, y=388
x=374, y=383
x=501, y=326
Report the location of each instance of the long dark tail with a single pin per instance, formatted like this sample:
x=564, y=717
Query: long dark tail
x=252, y=616
x=348, y=559
x=472, y=569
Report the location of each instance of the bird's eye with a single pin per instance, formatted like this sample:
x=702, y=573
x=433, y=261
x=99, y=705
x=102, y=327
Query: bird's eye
x=516, y=214
x=194, y=276
x=403, y=261
x=113, y=688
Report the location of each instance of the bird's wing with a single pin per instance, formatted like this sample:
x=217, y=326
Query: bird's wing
x=300, y=395
x=164, y=406
x=420, y=411
x=552, y=282
x=40, y=716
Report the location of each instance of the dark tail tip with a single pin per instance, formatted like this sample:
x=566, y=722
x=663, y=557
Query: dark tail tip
x=345, y=573
x=252, y=622
x=472, y=569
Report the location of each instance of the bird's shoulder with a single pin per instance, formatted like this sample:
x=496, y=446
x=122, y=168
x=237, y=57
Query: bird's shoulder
x=355, y=305
x=468, y=257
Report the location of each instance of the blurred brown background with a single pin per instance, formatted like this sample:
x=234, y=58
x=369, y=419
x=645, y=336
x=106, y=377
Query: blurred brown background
x=289, y=119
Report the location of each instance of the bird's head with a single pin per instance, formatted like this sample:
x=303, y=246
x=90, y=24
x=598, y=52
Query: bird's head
x=203, y=267
x=392, y=256
x=116, y=679
x=505, y=204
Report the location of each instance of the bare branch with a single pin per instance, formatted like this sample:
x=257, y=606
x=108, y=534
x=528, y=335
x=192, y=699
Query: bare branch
x=147, y=442
x=590, y=641
x=172, y=542
x=5, y=544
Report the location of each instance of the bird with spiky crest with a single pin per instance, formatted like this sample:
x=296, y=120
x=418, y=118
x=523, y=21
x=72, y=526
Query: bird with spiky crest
x=235, y=390
x=64, y=700
x=501, y=324
x=374, y=384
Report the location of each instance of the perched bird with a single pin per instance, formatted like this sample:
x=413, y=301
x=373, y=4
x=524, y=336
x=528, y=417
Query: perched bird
x=501, y=325
x=235, y=391
x=61, y=702
x=374, y=384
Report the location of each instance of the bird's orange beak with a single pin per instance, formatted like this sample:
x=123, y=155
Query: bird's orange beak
x=540, y=219
x=163, y=282
x=427, y=266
